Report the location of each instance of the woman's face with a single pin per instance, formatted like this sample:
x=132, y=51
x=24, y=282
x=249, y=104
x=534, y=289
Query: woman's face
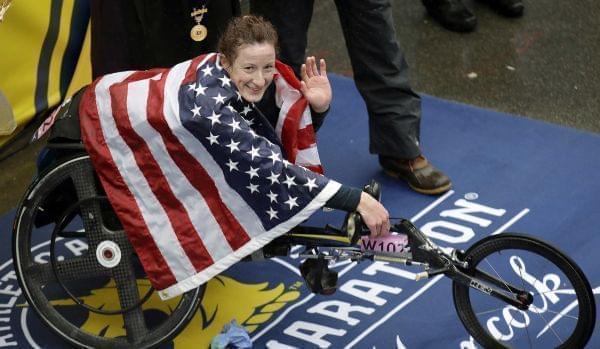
x=252, y=70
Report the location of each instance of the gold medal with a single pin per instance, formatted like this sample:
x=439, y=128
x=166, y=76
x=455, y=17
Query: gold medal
x=198, y=32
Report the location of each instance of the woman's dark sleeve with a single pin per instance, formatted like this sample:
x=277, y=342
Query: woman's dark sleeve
x=318, y=118
x=346, y=198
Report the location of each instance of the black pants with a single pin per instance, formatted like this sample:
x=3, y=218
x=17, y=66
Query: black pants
x=380, y=70
x=144, y=34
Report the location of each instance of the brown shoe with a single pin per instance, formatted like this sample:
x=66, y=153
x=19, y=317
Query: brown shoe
x=420, y=175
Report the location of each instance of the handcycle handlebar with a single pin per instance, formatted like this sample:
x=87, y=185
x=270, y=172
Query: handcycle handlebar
x=353, y=222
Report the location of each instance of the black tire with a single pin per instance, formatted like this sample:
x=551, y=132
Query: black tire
x=527, y=259
x=83, y=275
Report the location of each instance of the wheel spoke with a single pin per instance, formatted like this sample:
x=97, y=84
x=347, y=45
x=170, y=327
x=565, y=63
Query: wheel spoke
x=499, y=277
x=571, y=306
x=488, y=311
x=560, y=315
x=91, y=214
x=129, y=296
x=76, y=268
x=135, y=325
x=84, y=180
x=551, y=328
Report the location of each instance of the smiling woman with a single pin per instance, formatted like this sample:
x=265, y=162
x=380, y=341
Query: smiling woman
x=248, y=50
x=252, y=70
x=248, y=54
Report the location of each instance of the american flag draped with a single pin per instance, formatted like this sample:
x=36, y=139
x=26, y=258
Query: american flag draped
x=195, y=185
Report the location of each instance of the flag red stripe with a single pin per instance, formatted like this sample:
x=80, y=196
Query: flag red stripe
x=178, y=217
x=289, y=135
x=315, y=168
x=306, y=137
x=190, y=74
x=288, y=74
x=116, y=189
x=234, y=233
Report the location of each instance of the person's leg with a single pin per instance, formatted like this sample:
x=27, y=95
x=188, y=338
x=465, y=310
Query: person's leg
x=291, y=18
x=381, y=76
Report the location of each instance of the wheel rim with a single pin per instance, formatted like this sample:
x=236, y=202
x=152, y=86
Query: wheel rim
x=560, y=315
x=80, y=271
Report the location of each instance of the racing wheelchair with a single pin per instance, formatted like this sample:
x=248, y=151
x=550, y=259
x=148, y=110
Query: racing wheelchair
x=68, y=240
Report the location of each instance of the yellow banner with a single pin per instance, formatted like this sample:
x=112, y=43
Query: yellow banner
x=45, y=57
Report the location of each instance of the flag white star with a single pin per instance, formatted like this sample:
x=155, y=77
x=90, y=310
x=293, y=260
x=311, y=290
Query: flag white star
x=289, y=181
x=274, y=178
x=192, y=86
x=286, y=163
x=253, y=188
x=231, y=108
x=292, y=202
x=232, y=165
x=233, y=145
x=239, y=96
x=311, y=184
x=272, y=213
x=214, y=118
x=219, y=99
x=213, y=138
x=253, y=172
x=207, y=71
x=200, y=90
x=246, y=110
x=196, y=110
x=234, y=125
x=275, y=156
x=272, y=196
x=253, y=152
x=250, y=122
x=225, y=81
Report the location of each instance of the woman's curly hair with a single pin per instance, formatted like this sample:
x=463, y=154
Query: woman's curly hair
x=246, y=30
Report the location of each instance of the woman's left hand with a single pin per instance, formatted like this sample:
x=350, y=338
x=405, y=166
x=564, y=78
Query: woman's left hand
x=315, y=84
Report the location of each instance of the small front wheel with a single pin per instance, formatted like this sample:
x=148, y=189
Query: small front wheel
x=563, y=312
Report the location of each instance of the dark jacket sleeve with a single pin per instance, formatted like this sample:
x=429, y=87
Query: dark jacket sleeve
x=346, y=198
x=318, y=118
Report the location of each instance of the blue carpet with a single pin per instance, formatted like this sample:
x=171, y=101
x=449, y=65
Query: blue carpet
x=523, y=175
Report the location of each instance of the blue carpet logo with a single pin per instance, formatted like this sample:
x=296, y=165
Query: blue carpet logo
x=371, y=296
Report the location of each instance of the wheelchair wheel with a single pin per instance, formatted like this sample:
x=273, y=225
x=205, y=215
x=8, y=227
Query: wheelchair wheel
x=563, y=312
x=79, y=272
